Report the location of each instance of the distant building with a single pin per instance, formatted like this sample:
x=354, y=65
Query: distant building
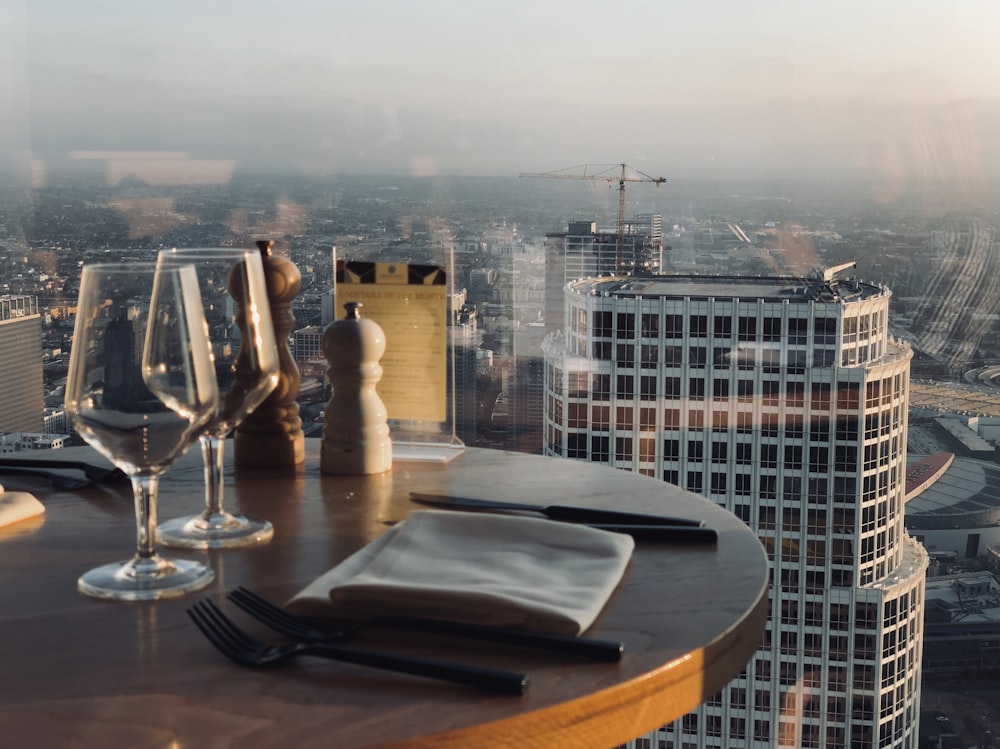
x=962, y=625
x=22, y=393
x=16, y=442
x=953, y=505
x=56, y=421
x=307, y=344
x=583, y=252
x=465, y=340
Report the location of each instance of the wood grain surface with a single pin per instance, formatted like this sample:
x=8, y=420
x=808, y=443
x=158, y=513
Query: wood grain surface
x=77, y=672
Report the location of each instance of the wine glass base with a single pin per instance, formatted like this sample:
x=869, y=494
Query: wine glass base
x=145, y=579
x=219, y=531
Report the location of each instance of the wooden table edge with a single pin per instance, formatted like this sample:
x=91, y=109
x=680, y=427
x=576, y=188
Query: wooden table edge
x=620, y=713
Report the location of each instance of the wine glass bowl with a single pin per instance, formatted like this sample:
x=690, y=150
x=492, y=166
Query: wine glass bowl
x=245, y=356
x=139, y=390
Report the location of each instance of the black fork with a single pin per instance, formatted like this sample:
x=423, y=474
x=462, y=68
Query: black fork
x=240, y=647
x=303, y=631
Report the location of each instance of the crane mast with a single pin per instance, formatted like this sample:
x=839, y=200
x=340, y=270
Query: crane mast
x=628, y=174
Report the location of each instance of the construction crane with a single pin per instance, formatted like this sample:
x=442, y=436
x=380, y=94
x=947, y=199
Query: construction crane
x=628, y=174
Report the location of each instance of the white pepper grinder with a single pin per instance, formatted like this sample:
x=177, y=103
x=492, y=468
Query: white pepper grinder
x=356, y=433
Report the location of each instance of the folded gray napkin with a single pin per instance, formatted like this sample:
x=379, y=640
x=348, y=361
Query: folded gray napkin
x=499, y=570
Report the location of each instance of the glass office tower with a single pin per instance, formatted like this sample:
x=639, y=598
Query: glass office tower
x=21, y=390
x=784, y=400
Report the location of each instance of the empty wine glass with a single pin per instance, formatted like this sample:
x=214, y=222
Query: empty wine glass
x=140, y=386
x=234, y=297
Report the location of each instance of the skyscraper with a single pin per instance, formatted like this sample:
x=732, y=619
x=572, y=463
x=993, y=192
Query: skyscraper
x=784, y=400
x=21, y=395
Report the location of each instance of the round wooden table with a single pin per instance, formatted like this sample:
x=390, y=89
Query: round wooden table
x=78, y=672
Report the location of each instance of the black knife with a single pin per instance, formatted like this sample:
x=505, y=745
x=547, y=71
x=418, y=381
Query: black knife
x=557, y=512
x=685, y=534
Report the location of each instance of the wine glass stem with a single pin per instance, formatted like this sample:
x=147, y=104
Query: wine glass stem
x=144, y=491
x=213, y=454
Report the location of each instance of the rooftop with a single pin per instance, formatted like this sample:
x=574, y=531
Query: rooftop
x=775, y=289
x=966, y=494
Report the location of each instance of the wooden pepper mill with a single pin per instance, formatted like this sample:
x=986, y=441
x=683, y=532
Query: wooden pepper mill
x=271, y=437
x=356, y=431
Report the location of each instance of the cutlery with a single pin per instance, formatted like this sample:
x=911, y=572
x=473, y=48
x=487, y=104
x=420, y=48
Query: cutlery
x=292, y=626
x=240, y=647
x=33, y=467
x=61, y=481
x=684, y=534
x=556, y=512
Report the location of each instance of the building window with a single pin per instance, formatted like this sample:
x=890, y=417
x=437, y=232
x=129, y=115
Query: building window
x=647, y=387
x=798, y=331
x=672, y=387
x=602, y=350
x=720, y=451
x=626, y=386
x=795, y=394
x=819, y=458
x=720, y=388
x=601, y=387
x=747, y=329
x=694, y=482
x=696, y=388
x=623, y=418
x=768, y=487
x=698, y=326
x=793, y=457
x=623, y=449
x=825, y=330
x=650, y=325
x=771, y=329
x=576, y=445
x=625, y=355
x=762, y=730
x=626, y=326
x=602, y=324
x=599, y=449
x=576, y=415
x=770, y=392
x=673, y=326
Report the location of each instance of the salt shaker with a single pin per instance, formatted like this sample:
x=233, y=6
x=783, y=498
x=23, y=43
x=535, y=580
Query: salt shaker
x=356, y=432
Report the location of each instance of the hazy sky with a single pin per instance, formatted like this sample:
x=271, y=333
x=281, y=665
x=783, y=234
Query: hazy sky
x=700, y=88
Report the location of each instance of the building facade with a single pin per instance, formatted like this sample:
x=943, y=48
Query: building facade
x=784, y=400
x=22, y=397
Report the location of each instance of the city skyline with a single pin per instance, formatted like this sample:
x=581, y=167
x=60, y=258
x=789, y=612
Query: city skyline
x=895, y=91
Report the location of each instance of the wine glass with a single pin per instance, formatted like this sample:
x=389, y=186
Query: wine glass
x=234, y=297
x=139, y=389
